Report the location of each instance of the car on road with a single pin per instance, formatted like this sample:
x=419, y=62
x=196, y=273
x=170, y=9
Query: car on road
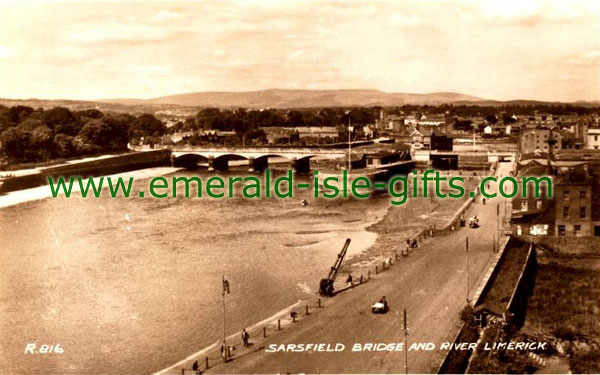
x=379, y=308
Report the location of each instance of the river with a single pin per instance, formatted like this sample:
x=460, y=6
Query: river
x=131, y=286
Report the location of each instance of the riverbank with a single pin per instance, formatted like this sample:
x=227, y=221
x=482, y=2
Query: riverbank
x=393, y=229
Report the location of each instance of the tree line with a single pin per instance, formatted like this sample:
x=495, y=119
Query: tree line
x=37, y=135
x=243, y=120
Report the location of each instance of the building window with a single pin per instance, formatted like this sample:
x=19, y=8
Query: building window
x=582, y=212
x=597, y=230
x=524, y=206
x=582, y=194
x=561, y=230
x=565, y=212
x=539, y=204
x=577, y=229
x=566, y=196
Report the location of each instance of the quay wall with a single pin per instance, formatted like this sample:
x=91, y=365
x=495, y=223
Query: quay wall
x=518, y=301
x=98, y=167
x=574, y=246
x=456, y=361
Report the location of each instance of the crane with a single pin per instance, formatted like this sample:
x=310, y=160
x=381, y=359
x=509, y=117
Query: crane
x=326, y=285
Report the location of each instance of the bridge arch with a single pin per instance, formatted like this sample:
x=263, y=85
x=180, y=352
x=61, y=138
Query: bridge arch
x=257, y=161
x=189, y=161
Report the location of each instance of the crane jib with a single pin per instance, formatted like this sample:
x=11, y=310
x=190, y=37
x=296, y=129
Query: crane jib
x=326, y=285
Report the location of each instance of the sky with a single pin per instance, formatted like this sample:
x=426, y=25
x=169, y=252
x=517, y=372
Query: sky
x=497, y=49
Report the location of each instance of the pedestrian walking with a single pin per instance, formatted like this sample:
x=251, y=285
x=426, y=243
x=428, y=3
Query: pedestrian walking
x=349, y=279
x=245, y=337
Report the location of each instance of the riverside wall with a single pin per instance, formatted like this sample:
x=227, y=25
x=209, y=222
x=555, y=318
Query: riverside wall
x=97, y=167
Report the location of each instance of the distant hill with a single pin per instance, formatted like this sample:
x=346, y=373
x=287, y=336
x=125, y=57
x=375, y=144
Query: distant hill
x=133, y=106
x=279, y=98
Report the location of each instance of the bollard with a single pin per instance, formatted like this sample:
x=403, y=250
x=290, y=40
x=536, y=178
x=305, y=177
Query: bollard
x=307, y=313
x=279, y=324
x=264, y=332
x=361, y=279
x=376, y=270
x=319, y=303
x=206, y=361
x=369, y=275
x=390, y=261
x=182, y=372
x=383, y=266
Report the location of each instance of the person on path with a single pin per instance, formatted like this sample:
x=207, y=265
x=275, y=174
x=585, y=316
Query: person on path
x=245, y=337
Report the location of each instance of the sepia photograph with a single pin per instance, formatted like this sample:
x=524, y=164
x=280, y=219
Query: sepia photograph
x=299, y=187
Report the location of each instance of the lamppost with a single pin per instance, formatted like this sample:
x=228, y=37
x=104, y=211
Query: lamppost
x=350, y=129
x=225, y=349
x=405, y=344
x=468, y=281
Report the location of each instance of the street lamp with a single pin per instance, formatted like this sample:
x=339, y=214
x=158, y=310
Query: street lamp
x=468, y=276
x=350, y=129
x=225, y=348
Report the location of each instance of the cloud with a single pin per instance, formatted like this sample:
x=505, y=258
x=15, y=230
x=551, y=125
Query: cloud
x=530, y=13
x=167, y=15
x=115, y=32
x=404, y=20
x=487, y=49
x=6, y=53
x=588, y=59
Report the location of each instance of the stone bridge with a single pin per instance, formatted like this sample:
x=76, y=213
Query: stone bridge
x=258, y=158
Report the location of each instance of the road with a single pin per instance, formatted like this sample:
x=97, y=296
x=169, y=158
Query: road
x=431, y=284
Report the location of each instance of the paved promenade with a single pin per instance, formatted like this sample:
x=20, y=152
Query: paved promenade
x=430, y=283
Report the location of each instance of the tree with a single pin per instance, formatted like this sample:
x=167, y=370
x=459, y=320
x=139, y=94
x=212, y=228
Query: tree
x=89, y=113
x=210, y=118
x=146, y=125
x=312, y=120
x=58, y=116
x=31, y=124
x=63, y=145
x=119, y=130
x=329, y=117
x=42, y=138
x=19, y=113
x=83, y=147
x=16, y=145
x=491, y=119
x=295, y=119
x=108, y=133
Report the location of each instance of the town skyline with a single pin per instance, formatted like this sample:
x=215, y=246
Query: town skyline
x=532, y=50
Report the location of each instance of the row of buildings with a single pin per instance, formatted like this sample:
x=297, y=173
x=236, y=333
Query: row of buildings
x=578, y=136
x=574, y=208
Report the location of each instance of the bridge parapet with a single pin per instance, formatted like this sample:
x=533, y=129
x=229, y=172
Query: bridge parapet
x=218, y=158
x=263, y=150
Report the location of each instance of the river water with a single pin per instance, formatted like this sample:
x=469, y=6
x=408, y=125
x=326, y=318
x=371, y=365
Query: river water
x=131, y=286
